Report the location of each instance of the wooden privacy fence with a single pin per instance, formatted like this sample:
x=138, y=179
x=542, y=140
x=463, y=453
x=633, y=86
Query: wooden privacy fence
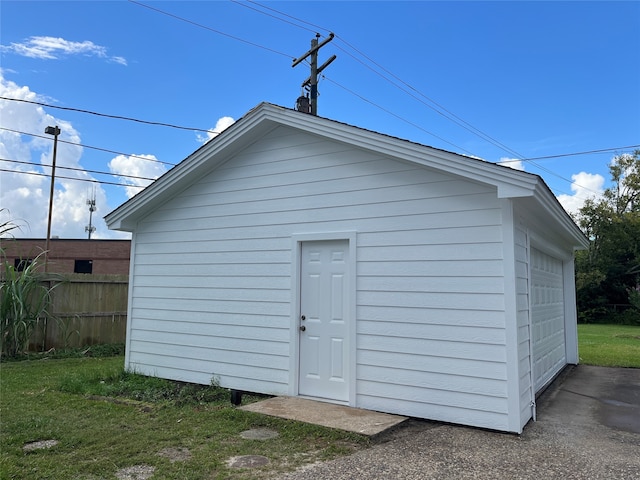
x=85, y=310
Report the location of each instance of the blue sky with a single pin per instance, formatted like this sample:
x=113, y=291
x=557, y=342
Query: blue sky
x=496, y=80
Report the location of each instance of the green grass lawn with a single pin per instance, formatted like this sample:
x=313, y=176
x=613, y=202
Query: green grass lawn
x=609, y=345
x=77, y=402
x=105, y=419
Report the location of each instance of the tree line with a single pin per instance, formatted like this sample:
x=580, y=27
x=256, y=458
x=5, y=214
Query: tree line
x=608, y=272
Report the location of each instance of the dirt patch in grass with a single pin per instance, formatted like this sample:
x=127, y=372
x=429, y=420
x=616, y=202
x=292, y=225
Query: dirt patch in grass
x=143, y=406
x=39, y=445
x=136, y=472
x=175, y=454
x=624, y=335
x=248, y=461
x=259, y=434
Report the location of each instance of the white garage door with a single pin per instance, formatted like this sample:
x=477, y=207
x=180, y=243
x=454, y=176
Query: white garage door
x=547, y=295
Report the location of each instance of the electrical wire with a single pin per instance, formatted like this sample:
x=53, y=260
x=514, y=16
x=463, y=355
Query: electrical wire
x=102, y=182
x=395, y=115
x=440, y=109
x=588, y=152
x=117, y=117
x=120, y=117
x=75, y=169
x=274, y=16
x=90, y=112
x=199, y=25
x=436, y=107
x=89, y=146
x=290, y=56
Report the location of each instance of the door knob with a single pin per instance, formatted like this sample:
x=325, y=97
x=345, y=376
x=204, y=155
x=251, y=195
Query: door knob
x=302, y=328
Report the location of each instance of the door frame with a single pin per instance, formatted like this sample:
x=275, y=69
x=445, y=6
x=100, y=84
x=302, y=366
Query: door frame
x=297, y=240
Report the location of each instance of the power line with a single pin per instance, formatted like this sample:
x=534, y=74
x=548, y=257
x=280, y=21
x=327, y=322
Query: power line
x=89, y=146
x=316, y=27
x=120, y=117
x=530, y=160
x=274, y=16
x=199, y=25
x=117, y=117
x=289, y=56
x=102, y=182
x=75, y=169
x=440, y=109
x=448, y=115
x=588, y=152
x=395, y=115
x=91, y=112
x=436, y=107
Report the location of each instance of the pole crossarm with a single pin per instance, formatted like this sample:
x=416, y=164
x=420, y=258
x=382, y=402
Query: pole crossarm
x=320, y=69
x=313, y=49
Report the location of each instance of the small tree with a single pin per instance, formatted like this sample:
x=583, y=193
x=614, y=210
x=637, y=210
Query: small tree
x=608, y=273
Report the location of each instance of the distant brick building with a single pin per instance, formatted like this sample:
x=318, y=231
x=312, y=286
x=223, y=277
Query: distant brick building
x=100, y=257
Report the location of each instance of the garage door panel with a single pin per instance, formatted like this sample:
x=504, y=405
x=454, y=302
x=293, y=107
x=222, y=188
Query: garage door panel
x=547, y=294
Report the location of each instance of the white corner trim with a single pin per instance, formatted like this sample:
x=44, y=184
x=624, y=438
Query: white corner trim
x=511, y=316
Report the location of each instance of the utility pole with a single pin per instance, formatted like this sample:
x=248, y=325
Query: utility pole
x=55, y=131
x=312, y=81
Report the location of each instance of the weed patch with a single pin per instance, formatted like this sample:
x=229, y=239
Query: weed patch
x=93, y=351
x=121, y=383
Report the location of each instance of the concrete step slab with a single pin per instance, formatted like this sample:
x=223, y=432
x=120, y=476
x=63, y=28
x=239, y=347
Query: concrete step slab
x=357, y=420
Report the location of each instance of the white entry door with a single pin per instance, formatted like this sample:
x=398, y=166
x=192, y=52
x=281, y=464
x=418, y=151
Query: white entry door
x=324, y=320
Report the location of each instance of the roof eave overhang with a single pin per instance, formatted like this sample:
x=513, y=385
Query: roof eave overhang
x=548, y=202
x=508, y=182
x=233, y=139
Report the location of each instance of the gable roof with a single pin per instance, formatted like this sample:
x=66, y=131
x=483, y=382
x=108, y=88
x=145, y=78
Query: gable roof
x=265, y=117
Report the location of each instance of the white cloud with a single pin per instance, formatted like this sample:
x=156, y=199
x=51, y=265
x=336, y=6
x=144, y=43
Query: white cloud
x=222, y=124
x=143, y=167
x=120, y=60
x=24, y=187
x=512, y=163
x=51, y=48
x=585, y=185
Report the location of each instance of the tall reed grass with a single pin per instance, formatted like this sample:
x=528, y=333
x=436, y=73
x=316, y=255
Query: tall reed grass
x=25, y=296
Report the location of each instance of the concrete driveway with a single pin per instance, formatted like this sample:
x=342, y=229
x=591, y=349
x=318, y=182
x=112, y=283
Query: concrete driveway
x=588, y=427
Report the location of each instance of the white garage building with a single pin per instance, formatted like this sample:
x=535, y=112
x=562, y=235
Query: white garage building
x=295, y=255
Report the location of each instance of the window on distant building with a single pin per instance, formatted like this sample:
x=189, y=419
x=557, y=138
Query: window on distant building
x=20, y=264
x=83, y=266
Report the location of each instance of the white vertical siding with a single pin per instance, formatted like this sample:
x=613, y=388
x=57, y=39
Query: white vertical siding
x=211, y=285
